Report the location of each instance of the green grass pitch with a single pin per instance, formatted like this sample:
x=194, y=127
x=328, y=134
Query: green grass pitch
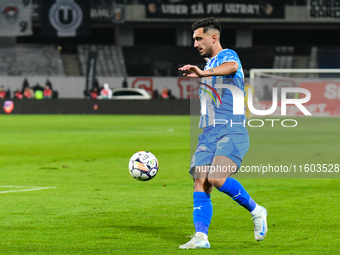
x=93, y=205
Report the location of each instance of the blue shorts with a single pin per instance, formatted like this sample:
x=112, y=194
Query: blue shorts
x=221, y=140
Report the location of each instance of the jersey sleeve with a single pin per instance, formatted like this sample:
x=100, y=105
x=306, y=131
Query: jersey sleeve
x=228, y=56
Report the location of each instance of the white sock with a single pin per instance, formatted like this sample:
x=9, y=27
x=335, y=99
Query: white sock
x=256, y=210
x=202, y=235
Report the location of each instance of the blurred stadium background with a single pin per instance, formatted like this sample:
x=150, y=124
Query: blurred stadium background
x=143, y=42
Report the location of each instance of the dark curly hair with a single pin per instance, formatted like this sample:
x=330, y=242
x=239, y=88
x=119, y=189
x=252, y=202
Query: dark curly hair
x=207, y=24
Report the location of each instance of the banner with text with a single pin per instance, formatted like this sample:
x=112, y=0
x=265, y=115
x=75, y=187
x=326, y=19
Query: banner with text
x=15, y=18
x=107, y=12
x=324, y=9
x=227, y=9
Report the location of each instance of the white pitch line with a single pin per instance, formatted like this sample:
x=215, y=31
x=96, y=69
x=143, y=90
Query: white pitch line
x=21, y=190
x=13, y=186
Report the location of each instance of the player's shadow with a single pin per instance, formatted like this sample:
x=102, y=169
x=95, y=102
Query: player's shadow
x=170, y=235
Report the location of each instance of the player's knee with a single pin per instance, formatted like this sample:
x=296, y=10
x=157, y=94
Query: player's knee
x=199, y=184
x=207, y=187
x=216, y=182
x=202, y=185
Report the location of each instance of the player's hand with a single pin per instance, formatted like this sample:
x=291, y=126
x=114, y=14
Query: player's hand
x=191, y=71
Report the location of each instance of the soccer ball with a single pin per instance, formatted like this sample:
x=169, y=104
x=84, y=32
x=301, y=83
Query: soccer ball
x=143, y=166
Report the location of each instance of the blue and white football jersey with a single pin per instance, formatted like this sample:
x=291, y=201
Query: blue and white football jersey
x=214, y=110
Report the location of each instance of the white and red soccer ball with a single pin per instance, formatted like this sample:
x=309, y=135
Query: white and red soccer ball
x=143, y=165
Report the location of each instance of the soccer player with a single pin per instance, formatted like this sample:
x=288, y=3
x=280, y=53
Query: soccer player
x=220, y=146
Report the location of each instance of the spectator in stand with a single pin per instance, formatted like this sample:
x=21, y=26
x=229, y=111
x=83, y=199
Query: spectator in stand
x=28, y=93
x=8, y=93
x=24, y=85
x=125, y=83
x=165, y=93
x=94, y=93
x=47, y=92
x=18, y=94
x=2, y=92
x=48, y=83
x=106, y=92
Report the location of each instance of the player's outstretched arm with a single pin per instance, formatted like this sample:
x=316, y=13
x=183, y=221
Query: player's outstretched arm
x=226, y=68
x=191, y=71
